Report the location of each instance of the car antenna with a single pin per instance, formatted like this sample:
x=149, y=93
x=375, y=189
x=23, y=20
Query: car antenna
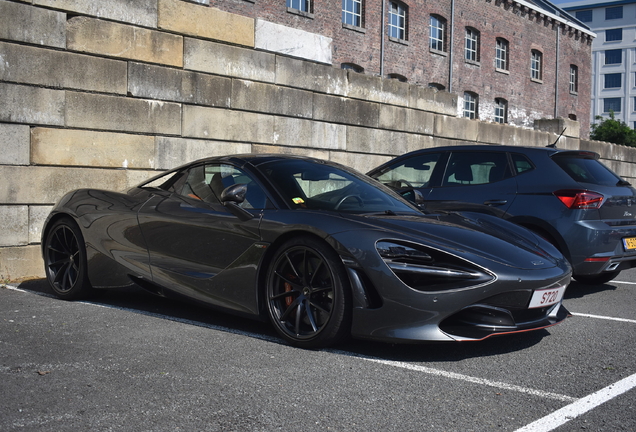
x=553, y=145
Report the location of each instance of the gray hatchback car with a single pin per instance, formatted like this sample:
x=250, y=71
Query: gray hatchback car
x=568, y=197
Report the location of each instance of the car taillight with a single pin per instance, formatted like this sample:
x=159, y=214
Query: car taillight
x=580, y=199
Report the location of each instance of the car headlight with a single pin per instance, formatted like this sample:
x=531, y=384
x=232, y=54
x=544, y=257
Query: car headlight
x=427, y=269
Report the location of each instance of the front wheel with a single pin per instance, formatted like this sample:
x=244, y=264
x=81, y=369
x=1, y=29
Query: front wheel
x=65, y=260
x=598, y=279
x=308, y=296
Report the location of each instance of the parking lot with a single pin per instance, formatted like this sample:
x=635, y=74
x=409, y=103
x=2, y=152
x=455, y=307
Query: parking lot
x=130, y=361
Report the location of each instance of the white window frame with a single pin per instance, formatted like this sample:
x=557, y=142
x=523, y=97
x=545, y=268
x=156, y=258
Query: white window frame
x=471, y=46
x=501, y=54
x=536, y=65
x=574, y=79
x=397, y=20
x=301, y=5
x=352, y=12
x=437, y=29
x=470, y=105
x=501, y=110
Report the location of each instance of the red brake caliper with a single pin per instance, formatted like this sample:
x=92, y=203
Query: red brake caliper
x=289, y=299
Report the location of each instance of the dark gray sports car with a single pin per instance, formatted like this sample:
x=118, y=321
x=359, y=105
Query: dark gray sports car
x=322, y=251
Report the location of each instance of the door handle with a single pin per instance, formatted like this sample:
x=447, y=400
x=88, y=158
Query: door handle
x=495, y=202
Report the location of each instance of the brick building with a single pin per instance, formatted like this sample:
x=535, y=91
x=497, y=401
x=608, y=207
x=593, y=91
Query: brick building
x=508, y=61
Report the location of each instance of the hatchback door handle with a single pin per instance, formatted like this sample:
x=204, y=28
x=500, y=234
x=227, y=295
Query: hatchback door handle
x=495, y=202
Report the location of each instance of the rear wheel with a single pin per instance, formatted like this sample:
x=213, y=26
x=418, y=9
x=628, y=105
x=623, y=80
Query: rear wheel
x=598, y=279
x=65, y=260
x=308, y=298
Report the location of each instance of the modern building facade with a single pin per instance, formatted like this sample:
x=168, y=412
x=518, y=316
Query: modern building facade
x=613, y=56
x=508, y=61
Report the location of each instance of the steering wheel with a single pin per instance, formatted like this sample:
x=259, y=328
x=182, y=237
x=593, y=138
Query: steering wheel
x=405, y=182
x=346, y=197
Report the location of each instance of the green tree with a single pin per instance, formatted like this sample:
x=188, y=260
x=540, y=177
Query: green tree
x=613, y=131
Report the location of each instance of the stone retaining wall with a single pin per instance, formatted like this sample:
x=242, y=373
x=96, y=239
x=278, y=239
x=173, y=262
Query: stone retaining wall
x=105, y=94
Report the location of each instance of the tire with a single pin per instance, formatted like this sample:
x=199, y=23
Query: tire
x=308, y=295
x=598, y=279
x=65, y=261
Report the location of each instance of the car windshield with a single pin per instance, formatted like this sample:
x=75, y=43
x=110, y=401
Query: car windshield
x=315, y=186
x=587, y=170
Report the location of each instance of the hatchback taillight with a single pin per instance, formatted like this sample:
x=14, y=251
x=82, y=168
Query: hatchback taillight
x=580, y=199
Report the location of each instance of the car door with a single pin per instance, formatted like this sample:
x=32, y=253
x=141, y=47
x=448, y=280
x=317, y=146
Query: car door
x=196, y=246
x=479, y=177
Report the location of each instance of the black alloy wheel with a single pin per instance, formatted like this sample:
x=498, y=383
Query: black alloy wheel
x=65, y=260
x=308, y=297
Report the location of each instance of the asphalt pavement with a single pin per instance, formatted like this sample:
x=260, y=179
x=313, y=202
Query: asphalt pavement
x=129, y=361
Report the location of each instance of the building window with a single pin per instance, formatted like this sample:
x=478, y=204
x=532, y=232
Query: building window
x=501, y=54
x=438, y=33
x=301, y=5
x=614, y=12
x=471, y=51
x=574, y=79
x=612, y=80
x=397, y=20
x=501, y=110
x=398, y=77
x=536, y=65
x=614, y=35
x=614, y=56
x=634, y=105
x=352, y=12
x=572, y=117
x=437, y=86
x=352, y=66
x=584, y=16
x=612, y=104
x=470, y=105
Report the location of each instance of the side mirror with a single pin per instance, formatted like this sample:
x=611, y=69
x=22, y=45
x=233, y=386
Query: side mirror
x=413, y=195
x=234, y=195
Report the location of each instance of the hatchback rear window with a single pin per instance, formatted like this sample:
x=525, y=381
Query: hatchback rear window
x=587, y=170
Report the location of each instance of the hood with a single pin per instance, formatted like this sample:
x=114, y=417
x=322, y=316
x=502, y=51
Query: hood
x=482, y=235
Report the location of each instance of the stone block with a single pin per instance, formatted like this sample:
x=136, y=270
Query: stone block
x=139, y=12
x=292, y=42
x=21, y=262
x=14, y=220
x=328, y=136
x=205, y=22
x=433, y=100
x=362, y=162
x=405, y=119
x=272, y=99
x=365, y=87
x=169, y=84
x=379, y=141
x=393, y=92
x=25, y=23
x=15, y=141
x=336, y=109
x=321, y=78
x=456, y=128
x=90, y=148
x=557, y=125
x=220, y=59
x=220, y=124
x=37, y=217
x=124, y=41
x=31, y=105
x=135, y=177
x=93, y=111
x=265, y=149
x=292, y=132
x=503, y=134
x=40, y=185
x=46, y=67
x=172, y=152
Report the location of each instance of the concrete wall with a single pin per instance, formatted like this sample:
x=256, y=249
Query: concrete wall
x=105, y=94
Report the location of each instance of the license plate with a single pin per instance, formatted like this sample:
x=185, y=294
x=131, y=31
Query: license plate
x=546, y=297
x=629, y=243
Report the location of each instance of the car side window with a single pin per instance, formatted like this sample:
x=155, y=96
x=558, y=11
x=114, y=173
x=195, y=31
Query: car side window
x=415, y=171
x=521, y=163
x=207, y=182
x=475, y=168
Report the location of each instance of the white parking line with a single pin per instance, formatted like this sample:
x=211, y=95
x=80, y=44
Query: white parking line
x=581, y=406
x=624, y=282
x=604, y=317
